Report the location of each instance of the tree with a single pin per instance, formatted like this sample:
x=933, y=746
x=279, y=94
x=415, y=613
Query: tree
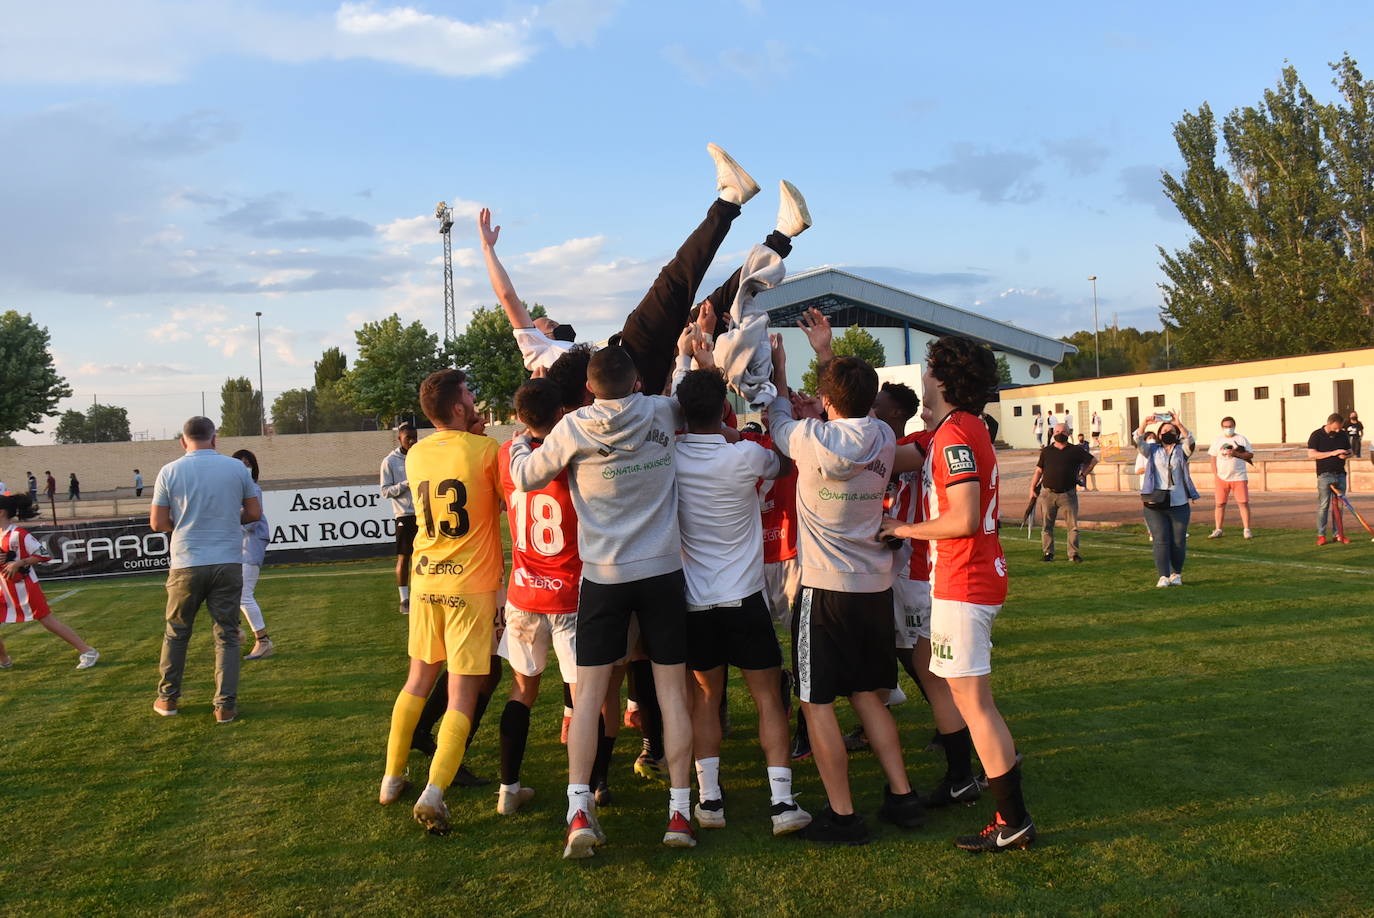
x=1003, y=369
x=100, y=424
x=293, y=412
x=1281, y=262
x=240, y=408
x=1124, y=350
x=30, y=386
x=855, y=342
x=486, y=351
x=330, y=368
x=333, y=409
x=392, y=362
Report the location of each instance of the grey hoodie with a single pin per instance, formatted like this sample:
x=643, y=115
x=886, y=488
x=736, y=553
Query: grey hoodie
x=743, y=351
x=619, y=456
x=842, y=472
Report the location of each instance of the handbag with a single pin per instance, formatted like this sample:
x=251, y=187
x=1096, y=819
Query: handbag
x=1158, y=499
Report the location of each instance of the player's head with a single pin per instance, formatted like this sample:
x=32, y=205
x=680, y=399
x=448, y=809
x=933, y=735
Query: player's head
x=405, y=435
x=446, y=401
x=558, y=331
x=249, y=460
x=895, y=405
x=960, y=373
x=753, y=427
x=569, y=373
x=611, y=373
x=848, y=386
x=199, y=431
x=702, y=397
x=1333, y=423
x=539, y=405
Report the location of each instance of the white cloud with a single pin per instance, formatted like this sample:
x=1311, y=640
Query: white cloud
x=140, y=369
x=576, y=22
x=168, y=332
x=403, y=233
x=565, y=254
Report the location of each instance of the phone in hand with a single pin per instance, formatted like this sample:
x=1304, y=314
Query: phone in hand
x=1164, y=417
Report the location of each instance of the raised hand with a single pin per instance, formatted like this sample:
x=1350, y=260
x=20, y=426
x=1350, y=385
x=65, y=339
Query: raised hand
x=686, y=341
x=704, y=351
x=817, y=329
x=485, y=230
x=706, y=319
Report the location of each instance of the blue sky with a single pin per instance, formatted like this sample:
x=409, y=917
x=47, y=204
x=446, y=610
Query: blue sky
x=169, y=168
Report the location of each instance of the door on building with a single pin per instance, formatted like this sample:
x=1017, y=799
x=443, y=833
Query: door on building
x=1083, y=418
x=1345, y=397
x=1188, y=408
x=1133, y=413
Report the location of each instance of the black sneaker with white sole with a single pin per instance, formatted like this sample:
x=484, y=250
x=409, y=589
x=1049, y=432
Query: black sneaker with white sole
x=825, y=829
x=964, y=790
x=902, y=810
x=998, y=836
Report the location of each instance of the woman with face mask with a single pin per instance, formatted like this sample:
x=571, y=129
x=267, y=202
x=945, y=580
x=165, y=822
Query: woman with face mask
x=1166, y=487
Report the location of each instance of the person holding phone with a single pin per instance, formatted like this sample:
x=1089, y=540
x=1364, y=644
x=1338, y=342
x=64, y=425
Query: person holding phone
x=1166, y=488
x=1329, y=445
x=1230, y=452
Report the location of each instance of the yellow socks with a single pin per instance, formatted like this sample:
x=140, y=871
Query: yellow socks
x=404, y=716
x=452, y=742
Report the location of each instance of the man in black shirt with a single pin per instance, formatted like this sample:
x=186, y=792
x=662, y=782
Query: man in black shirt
x=1330, y=446
x=1061, y=465
x=1355, y=431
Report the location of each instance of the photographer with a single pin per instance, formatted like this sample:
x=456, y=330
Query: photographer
x=1230, y=452
x=1166, y=487
x=1329, y=445
x=1060, y=469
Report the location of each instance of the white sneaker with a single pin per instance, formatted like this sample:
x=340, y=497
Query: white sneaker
x=88, y=659
x=1248, y=534
x=710, y=814
x=793, y=217
x=788, y=818
x=734, y=184
x=431, y=811
x=1163, y=582
x=1216, y=534
x=392, y=789
x=508, y=802
x=897, y=697
x=1175, y=580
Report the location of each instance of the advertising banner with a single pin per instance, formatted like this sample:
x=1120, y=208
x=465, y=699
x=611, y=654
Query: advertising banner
x=308, y=524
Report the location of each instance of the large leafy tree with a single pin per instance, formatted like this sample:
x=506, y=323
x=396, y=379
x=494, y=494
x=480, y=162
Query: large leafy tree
x=99, y=424
x=1124, y=350
x=240, y=408
x=1280, y=262
x=855, y=342
x=30, y=386
x=486, y=351
x=393, y=359
x=292, y=411
x=330, y=368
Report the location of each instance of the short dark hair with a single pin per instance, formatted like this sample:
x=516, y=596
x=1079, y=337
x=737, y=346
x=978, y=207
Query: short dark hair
x=966, y=369
x=1334, y=419
x=905, y=397
x=439, y=393
x=1228, y=418
x=198, y=429
x=246, y=456
x=702, y=397
x=537, y=403
x=569, y=374
x=850, y=384
x=611, y=373
x=405, y=425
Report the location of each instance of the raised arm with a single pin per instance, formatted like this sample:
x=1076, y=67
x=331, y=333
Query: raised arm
x=514, y=308
x=818, y=333
x=530, y=469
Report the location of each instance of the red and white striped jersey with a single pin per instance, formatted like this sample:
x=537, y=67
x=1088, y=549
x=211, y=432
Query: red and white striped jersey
x=909, y=506
x=24, y=601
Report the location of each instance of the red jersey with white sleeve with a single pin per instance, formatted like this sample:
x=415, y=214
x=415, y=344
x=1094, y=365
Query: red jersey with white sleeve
x=777, y=507
x=24, y=601
x=970, y=569
x=908, y=506
x=545, y=566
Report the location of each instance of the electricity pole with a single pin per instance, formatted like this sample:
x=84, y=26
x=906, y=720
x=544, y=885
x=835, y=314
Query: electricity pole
x=1097, y=344
x=444, y=214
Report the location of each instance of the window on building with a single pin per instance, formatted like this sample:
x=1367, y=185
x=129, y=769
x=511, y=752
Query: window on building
x=1106, y=404
x=1232, y=395
x=1035, y=409
x=1016, y=412
x=1035, y=371
x=1261, y=392
x=1058, y=407
x=1301, y=389
x=1159, y=401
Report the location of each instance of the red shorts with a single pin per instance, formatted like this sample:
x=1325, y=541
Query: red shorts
x=1239, y=488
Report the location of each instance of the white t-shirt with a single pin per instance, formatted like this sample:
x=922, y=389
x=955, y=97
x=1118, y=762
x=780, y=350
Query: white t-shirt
x=1229, y=468
x=718, y=516
x=1068, y=419
x=538, y=349
x=1097, y=424
x=1050, y=421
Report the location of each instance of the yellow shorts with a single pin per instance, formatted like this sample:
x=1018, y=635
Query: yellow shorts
x=453, y=627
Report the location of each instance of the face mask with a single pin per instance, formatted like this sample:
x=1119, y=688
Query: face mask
x=1061, y=438
x=1169, y=438
x=564, y=332
x=1228, y=430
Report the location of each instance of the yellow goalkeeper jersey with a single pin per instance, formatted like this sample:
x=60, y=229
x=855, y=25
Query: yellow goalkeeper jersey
x=456, y=485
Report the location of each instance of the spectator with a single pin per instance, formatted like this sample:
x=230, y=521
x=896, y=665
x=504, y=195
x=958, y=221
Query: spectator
x=1230, y=452
x=51, y=486
x=1330, y=446
x=396, y=487
x=33, y=488
x=1355, y=431
x=203, y=499
x=1166, y=487
x=992, y=425
x=256, y=536
x=1095, y=427
x=1140, y=462
x=1050, y=423
x=138, y=483
x=73, y=488
x=1068, y=422
x=1083, y=444
x=1039, y=430
x=1059, y=470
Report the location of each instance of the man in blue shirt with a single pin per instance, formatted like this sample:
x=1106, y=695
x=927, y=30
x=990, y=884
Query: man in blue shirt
x=203, y=499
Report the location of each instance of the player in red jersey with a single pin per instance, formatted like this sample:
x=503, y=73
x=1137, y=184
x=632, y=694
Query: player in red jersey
x=541, y=600
x=968, y=579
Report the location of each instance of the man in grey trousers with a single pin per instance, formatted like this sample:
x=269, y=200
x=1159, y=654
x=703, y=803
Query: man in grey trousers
x=203, y=499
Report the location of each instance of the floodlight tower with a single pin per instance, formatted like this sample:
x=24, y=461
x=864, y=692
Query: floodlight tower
x=444, y=214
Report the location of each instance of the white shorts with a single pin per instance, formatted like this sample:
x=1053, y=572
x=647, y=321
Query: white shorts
x=910, y=611
x=528, y=637
x=960, y=638
x=781, y=583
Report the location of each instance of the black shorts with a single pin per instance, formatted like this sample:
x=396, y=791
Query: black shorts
x=603, y=619
x=740, y=636
x=842, y=644
x=405, y=535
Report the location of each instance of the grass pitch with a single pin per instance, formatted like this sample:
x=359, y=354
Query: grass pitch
x=1194, y=751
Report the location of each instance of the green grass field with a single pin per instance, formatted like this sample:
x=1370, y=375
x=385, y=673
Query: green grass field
x=1194, y=751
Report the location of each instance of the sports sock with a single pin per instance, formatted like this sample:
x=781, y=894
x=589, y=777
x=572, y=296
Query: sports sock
x=708, y=777
x=601, y=768
x=484, y=697
x=780, y=785
x=680, y=800
x=515, y=732
x=958, y=748
x=579, y=798
x=404, y=591
x=567, y=711
x=404, y=714
x=453, y=734
x=567, y=697
x=435, y=706
x=650, y=715
x=1007, y=790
